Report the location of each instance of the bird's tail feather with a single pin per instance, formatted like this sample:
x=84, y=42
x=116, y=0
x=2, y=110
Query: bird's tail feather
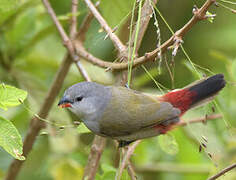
x=195, y=94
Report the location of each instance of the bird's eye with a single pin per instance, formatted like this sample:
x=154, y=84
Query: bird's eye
x=79, y=98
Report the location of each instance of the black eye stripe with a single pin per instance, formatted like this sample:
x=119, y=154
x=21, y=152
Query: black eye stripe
x=78, y=98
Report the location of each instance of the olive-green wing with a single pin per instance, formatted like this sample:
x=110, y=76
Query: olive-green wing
x=129, y=111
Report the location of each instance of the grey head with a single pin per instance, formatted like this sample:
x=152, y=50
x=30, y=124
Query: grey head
x=88, y=101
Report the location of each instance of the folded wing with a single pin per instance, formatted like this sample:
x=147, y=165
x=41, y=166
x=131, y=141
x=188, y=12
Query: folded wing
x=129, y=112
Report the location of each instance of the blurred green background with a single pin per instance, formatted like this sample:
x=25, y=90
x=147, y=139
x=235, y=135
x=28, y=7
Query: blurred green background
x=31, y=52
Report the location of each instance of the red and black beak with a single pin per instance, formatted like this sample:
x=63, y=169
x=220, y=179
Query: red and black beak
x=64, y=102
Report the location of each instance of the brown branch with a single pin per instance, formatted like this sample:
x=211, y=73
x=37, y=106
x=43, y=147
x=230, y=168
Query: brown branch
x=36, y=125
x=199, y=15
x=94, y=157
x=120, y=66
x=116, y=41
x=223, y=171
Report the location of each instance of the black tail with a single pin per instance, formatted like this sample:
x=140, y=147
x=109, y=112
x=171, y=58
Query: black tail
x=207, y=89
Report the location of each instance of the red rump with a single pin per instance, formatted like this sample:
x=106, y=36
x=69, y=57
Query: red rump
x=181, y=99
x=162, y=128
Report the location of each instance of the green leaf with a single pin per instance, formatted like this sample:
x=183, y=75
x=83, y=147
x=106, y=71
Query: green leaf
x=168, y=144
x=11, y=96
x=10, y=139
x=83, y=129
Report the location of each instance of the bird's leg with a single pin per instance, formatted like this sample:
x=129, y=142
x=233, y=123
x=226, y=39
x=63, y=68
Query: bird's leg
x=124, y=143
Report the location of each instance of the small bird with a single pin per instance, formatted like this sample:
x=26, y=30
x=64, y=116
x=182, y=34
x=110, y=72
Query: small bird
x=128, y=115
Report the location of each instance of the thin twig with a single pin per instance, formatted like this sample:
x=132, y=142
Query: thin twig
x=200, y=119
x=116, y=41
x=94, y=157
x=82, y=71
x=131, y=171
x=223, y=171
x=73, y=27
x=199, y=15
x=127, y=156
